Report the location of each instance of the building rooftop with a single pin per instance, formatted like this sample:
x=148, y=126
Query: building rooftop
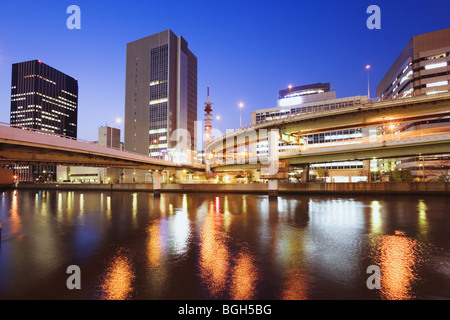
x=304, y=90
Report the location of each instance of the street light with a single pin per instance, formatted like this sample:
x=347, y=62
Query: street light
x=368, y=82
x=241, y=105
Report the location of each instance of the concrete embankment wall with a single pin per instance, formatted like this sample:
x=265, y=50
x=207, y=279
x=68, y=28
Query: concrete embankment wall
x=376, y=187
x=284, y=188
x=6, y=178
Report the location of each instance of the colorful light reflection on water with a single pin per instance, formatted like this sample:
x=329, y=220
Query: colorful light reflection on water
x=226, y=246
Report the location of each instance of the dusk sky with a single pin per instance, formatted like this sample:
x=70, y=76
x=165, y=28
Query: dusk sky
x=247, y=50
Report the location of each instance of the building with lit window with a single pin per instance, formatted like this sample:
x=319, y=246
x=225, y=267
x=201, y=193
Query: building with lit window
x=46, y=99
x=307, y=99
x=107, y=136
x=280, y=112
x=306, y=93
x=161, y=96
x=422, y=68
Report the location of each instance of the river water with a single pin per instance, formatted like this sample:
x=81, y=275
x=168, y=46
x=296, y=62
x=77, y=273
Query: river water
x=223, y=246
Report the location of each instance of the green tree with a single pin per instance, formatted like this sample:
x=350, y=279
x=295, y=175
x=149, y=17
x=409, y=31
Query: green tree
x=401, y=176
x=323, y=173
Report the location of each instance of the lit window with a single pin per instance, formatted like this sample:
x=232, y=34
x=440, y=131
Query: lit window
x=436, y=65
x=435, y=92
x=437, y=84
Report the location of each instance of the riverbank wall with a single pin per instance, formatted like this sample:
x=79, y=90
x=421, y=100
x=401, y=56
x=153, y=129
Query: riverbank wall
x=260, y=188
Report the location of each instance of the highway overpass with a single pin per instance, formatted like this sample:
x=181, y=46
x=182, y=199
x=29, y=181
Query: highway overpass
x=370, y=114
x=224, y=152
x=29, y=146
x=408, y=144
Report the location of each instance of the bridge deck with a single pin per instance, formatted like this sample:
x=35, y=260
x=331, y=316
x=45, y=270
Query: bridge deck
x=15, y=142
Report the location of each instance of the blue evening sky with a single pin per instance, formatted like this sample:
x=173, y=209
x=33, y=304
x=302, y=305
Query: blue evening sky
x=247, y=50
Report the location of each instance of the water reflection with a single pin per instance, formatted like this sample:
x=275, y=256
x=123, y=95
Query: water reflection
x=168, y=237
x=118, y=281
x=291, y=244
x=227, y=246
x=226, y=213
x=154, y=246
x=397, y=257
x=70, y=204
x=296, y=285
x=226, y=272
x=244, y=277
x=108, y=208
x=81, y=204
x=60, y=208
x=134, y=205
x=214, y=255
x=15, y=220
x=375, y=217
x=423, y=223
x=180, y=227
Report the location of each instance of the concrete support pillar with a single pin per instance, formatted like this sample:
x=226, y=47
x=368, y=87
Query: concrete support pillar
x=156, y=183
x=305, y=174
x=273, y=188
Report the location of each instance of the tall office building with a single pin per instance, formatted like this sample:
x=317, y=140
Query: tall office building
x=422, y=68
x=161, y=94
x=46, y=99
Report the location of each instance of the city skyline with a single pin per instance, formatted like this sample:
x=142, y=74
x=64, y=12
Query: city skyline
x=228, y=67
x=322, y=170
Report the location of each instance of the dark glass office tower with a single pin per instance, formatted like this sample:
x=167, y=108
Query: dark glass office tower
x=46, y=99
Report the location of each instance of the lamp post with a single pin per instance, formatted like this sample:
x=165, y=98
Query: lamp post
x=368, y=82
x=241, y=105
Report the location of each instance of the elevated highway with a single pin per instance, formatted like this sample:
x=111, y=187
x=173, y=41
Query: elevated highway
x=369, y=114
x=28, y=146
x=415, y=143
x=372, y=114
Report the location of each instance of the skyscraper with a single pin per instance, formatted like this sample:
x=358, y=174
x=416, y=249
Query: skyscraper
x=46, y=99
x=161, y=94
